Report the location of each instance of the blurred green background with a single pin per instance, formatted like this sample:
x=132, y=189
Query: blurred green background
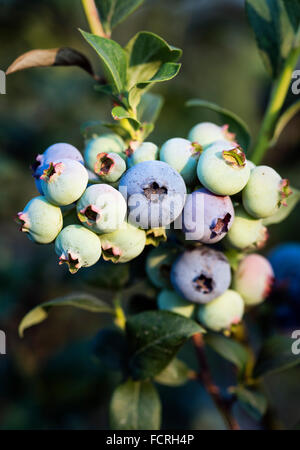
x=49, y=379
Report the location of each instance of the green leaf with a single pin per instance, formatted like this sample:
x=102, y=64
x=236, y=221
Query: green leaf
x=284, y=211
x=275, y=356
x=113, y=12
x=119, y=113
x=82, y=301
x=276, y=25
x=107, y=275
x=284, y=119
x=110, y=346
x=253, y=402
x=149, y=107
x=175, y=374
x=154, y=339
x=236, y=124
x=150, y=59
x=113, y=58
x=135, y=405
x=63, y=56
x=229, y=349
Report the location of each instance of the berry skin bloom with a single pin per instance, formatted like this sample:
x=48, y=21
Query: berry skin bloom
x=183, y=156
x=223, y=168
x=222, y=312
x=77, y=247
x=201, y=274
x=124, y=244
x=147, y=151
x=107, y=143
x=155, y=194
x=101, y=208
x=253, y=279
x=265, y=192
x=169, y=300
x=53, y=153
x=41, y=220
x=207, y=217
x=246, y=232
x=206, y=133
x=109, y=167
x=158, y=265
x=64, y=181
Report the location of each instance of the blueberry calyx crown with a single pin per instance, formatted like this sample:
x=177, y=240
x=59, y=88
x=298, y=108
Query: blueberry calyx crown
x=111, y=253
x=71, y=260
x=104, y=164
x=153, y=189
x=22, y=220
x=90, y=214
x=227, y=134
x=235, y=157
x=203, y=284
x=52, y=172
x=154, y=236
x=285, y=191
x=220, y=227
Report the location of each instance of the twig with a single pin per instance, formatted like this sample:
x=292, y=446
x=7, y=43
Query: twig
x=205, y=376
x=93, y=18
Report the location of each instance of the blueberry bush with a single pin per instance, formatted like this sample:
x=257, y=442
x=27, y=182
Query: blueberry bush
x=194, y=212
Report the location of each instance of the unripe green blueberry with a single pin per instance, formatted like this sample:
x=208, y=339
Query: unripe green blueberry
x=124, y=244
x=64, y=181
x=265, y=192
x=140, y=152
x=223, y=168
x=77, y=247
x=41, y=220
x=109, y=167
x=102, y=208
x=183, y=156
x=246, y=232
x=171, y=301
x=253, y=279
x=107, y=143
x=158, y=265
x=222, y=312
x=205, y=133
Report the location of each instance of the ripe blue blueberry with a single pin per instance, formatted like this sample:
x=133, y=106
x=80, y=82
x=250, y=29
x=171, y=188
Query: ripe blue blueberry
x=201, y=274
x=41, y=220
x=223, y=168
x=207, y=217
x=54, y=153
x=183, y=156
x=107, y=143
x=64, y=181
x=77, y=247
x=109, y=167
x=246, y=232
x=124, y=244
x=158, y=265
x=205, y=133
x=285, y=260
x=140, y=152
x=170, y=300
x=155, y=194
x=101, y=208
x=222, y=312
x=265, y=192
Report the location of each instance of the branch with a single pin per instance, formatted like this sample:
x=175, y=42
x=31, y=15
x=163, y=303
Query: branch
x=93, y=18
x=205, y=376
x=276, y=101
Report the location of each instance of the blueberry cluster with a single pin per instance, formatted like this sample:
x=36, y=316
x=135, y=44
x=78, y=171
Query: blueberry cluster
x=193, y=192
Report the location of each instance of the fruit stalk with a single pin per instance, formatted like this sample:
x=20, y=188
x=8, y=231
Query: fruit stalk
x=93, y=18
x=120, y=319
x=205, y=376
x=277, y=98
